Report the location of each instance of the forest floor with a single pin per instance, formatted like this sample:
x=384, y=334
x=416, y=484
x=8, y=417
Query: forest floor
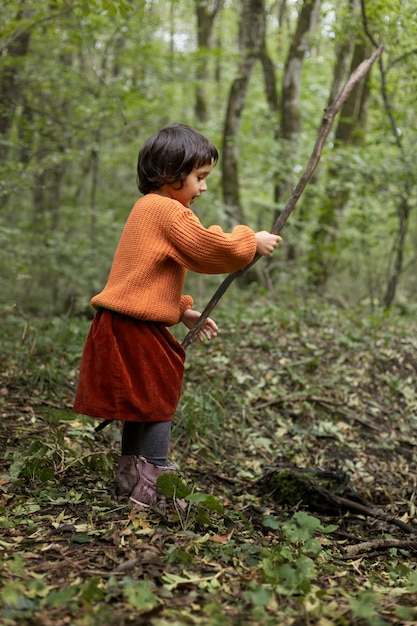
x=312, y=390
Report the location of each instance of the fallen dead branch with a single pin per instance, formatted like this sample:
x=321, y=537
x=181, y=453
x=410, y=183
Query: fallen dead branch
x=371, y=511
x=364, y=548
x=321, y=491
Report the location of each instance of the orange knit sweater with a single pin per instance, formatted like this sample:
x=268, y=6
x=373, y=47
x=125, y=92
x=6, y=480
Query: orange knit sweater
x=160, y=241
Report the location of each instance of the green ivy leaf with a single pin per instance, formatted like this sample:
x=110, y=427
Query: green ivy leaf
x=270, y=521
x=364, y=605
x=61, y=597
x=172, y=486
x=209, y=501
x=140, y=595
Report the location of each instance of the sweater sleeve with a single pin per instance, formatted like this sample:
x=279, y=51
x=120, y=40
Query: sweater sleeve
x=210, y=250
x=186, y=303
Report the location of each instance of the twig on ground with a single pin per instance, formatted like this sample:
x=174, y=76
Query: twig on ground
x=372, y=512
x=364, y=547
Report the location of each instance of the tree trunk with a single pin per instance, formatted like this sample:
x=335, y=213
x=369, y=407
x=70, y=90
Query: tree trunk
x=403, y=212
x=10, y=87
x=352, y=121
x=344, y=48
x=270, y=82
x=206, y=14
x=350, y=130
x=290, y=124
x=300, y=45
x=251, y=37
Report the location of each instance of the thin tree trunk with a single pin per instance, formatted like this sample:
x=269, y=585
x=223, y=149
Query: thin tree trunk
x=300, y=45
x=350, y=130
x=10, y=87
x=403, y=212
x=352, y=121
x=344, y=47
x=11, y=90
x=251, y=37
x=290, y=123
x=270, y=82
x=206, y=14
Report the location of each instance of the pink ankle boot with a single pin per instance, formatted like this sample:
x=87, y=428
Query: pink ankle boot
x=146, y=495
x=127, y=474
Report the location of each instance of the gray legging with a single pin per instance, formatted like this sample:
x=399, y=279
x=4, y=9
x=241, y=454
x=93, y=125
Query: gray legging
x=149, y=439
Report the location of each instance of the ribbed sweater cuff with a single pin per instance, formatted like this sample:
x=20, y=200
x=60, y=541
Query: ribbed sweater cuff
x=186, y=303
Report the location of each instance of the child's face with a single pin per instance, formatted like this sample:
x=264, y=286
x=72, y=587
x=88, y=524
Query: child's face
x=192, y=188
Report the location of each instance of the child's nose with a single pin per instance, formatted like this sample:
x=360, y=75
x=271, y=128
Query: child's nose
x=203, y=186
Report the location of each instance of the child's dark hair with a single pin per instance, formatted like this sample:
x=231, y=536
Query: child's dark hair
x=170, y=155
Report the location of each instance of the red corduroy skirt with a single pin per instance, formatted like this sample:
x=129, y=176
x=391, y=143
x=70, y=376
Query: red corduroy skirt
x=130, y=370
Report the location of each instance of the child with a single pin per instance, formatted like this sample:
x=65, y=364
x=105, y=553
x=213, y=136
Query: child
x=132, y=367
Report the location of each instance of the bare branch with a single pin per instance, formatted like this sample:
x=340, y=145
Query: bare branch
x=362, y=549
x=371, y=511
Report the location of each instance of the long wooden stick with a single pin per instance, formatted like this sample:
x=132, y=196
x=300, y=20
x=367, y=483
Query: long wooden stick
x=326, y=125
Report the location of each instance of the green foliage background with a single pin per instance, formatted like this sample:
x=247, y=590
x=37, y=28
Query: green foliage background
x=98, y=78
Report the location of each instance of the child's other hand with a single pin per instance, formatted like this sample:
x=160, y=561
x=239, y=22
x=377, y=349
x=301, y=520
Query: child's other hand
x=266, y=242
x=208, y=329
